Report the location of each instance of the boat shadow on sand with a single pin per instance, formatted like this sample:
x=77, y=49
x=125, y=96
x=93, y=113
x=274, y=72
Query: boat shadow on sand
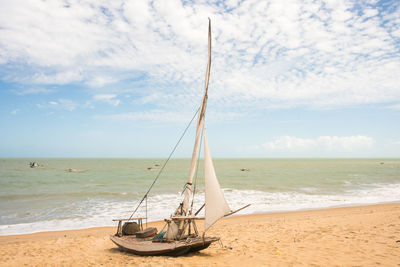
x=188, y=255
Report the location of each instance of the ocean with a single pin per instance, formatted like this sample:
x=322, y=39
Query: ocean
x=53, y=198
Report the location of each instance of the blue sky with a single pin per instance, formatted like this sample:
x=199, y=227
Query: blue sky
x=122, y=78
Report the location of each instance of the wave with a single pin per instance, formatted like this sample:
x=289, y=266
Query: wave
x=70, y=195
x=100, y=212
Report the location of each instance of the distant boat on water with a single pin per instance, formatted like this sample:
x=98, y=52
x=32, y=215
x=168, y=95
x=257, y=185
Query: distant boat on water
x=75, y=170
x=34, y=164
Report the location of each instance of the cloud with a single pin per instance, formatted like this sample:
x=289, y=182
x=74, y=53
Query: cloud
x=15, y=111
x=107, y=98
x=394, y=107
x=322, y=143
x=67, y=104
x=57, y=77
x=152, y=115
x=61, y=104
x=32, y=91
x=275, y=54
x=162, y=116
x=100, y=81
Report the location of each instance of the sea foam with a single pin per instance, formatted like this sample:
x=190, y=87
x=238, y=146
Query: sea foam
x=159, y=206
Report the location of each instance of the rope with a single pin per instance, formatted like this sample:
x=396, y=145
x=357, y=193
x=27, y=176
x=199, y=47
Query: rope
x=165, y=163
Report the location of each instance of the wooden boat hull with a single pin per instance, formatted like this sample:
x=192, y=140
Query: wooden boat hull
x=146, y=247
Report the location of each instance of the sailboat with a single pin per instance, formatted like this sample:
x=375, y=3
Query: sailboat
x=182, y=235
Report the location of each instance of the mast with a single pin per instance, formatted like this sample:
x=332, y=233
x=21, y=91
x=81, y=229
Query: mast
x=199, y=127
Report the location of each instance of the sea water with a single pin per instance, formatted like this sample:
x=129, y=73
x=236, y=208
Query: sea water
x=53, y=198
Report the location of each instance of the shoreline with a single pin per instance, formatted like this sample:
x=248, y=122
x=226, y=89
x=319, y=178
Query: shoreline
x=360, y=235
x=234, y=216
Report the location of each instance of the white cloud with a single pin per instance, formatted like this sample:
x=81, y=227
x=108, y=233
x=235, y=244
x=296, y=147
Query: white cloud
x=33, y=90
x=152, y=115
x=162, y=116
x=322, y=143
x=62, y=104
x=15, y=111
x=394, y=107
x=369, y=12
x=107, y=98
x=100, y=81
x=67, y=104
x=265, y=54
x=60, y=77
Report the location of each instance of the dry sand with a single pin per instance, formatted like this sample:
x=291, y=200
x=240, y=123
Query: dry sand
x=351, y=236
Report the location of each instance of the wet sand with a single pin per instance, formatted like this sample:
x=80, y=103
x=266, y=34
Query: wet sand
x=350, y=236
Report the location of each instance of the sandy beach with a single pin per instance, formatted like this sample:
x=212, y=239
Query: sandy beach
x=350, y=236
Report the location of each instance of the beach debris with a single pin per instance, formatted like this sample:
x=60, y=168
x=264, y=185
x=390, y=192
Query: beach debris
x=277, y=252
x=151, y=168
x=220, y=243
x=245, y=170
x=397, y=241
x=75, y=170
x=156, y=165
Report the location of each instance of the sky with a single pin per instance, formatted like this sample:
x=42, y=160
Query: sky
x=289, y=78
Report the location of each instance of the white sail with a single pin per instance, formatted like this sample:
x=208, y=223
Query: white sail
x=199, y=126
x=216, y=205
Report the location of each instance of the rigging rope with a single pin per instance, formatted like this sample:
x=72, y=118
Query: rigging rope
x=165, y=163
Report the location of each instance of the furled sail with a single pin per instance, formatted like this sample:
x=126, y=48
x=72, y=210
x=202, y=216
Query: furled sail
x=216, y=205
x=199, y=127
